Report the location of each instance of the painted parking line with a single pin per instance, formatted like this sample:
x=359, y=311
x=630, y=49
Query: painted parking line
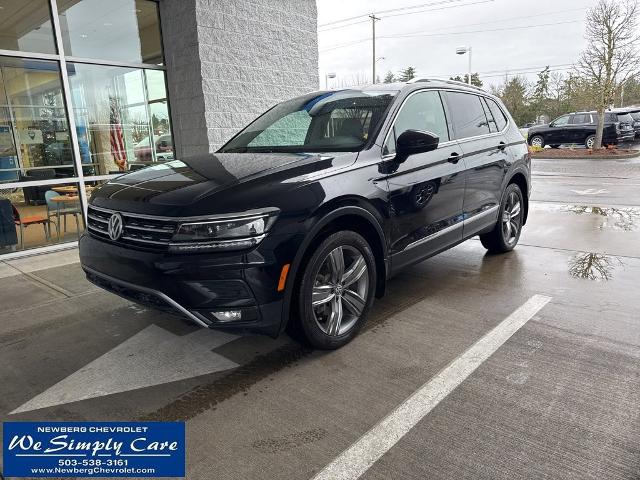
x=360, y=456
x=153, y=356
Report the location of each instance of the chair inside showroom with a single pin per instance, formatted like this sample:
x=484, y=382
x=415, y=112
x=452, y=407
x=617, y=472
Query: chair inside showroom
x=34, y=195
x=57, y=210
x=24, y=222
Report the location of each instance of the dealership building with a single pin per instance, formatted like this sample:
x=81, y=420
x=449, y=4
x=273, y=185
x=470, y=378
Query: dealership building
x=90, y=89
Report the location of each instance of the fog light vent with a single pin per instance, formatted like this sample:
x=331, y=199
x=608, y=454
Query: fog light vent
x=228, y=315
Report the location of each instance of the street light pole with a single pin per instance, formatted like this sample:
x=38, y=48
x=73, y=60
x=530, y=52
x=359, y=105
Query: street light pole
x=462, y=51
x=469, y=79
x=326, y=79
x=374, y=19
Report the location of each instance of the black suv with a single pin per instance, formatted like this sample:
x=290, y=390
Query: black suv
x=580, y=129
x=635, y=115
x=302, y=217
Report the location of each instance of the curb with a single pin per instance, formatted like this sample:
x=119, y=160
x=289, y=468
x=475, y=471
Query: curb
x=589, y=157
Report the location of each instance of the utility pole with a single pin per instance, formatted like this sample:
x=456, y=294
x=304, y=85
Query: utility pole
x=374, y=19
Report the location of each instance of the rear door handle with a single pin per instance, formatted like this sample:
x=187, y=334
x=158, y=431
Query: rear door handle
x=454, y=158
x=502, y=146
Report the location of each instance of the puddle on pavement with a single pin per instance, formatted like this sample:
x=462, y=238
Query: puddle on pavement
x=625, y=219
x=593, y=266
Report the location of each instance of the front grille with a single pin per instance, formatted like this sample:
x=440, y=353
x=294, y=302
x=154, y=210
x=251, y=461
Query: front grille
x=143, y=231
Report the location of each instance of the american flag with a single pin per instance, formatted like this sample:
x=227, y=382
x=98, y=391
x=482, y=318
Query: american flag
x=115, y=135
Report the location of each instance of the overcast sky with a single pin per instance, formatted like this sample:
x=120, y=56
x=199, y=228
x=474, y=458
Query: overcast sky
x=540, y=32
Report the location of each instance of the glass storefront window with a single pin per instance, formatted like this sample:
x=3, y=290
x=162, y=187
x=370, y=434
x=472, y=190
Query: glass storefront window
x=117, y=30
x=121, y=112
x=40, y=215
x=26, y=26
x=120, y=127
x=34, y=132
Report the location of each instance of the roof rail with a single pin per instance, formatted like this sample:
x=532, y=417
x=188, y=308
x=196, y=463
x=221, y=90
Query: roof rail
x=452, y=82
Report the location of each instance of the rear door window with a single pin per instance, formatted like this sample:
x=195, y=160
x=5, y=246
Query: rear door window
x=580, y=119
x=468, y=117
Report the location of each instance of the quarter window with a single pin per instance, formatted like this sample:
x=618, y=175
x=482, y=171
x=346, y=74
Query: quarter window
x=492, y=122
x=498, y=114
x=468, y=115
x=421, y=111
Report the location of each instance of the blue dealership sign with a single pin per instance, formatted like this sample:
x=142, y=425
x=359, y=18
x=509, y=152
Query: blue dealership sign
x=93, y=449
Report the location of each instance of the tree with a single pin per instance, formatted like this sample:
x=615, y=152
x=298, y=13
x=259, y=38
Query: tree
x=475, y=79
x=406, y=74
x=389, y=77
x=541, y=88
x=514, y=96
x=611, y=55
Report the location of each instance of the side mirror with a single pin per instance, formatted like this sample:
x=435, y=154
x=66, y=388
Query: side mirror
x=411, y=142
x=552, y=124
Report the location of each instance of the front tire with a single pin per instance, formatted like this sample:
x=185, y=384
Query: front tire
x=336, y=290
x=505, y=235
x=537, y=141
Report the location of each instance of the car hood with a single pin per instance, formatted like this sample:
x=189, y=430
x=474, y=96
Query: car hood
x=185, y=187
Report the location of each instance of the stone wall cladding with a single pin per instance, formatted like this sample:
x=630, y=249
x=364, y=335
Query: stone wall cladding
x=249, y=55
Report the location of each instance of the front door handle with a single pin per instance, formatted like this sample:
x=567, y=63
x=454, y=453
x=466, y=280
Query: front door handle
x=454, y=158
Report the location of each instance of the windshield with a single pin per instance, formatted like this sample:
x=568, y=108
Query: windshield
x=325, y=122
x=625, y=118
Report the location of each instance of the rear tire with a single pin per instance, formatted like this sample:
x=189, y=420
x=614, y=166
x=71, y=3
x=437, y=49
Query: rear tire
x=537, y=141
x=590, y=141
x=336, y=290
x=505, y=235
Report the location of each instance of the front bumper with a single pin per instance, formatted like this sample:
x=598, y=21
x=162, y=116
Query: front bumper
x=190, y=285
x=626, y=136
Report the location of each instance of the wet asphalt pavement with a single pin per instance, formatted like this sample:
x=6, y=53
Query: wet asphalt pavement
x=559, y=399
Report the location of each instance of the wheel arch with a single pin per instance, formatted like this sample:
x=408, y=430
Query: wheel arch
x=519, y=179
x=342, y=214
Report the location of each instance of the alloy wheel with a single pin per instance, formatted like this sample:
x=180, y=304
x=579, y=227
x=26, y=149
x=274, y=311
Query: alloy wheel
x=590, y=142
x=536, y=142
x=511, y=218
x=340, y=290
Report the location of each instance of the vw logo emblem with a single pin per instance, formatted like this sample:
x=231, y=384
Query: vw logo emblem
x=115, y=226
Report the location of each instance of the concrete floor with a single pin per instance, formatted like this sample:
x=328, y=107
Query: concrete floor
x=560, y=399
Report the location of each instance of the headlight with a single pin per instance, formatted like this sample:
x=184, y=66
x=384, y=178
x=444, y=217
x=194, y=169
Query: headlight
x=233, y=232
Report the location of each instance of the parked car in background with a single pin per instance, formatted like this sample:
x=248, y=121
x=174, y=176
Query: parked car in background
x=635, y=115
x=579, y=128
x=300, y=219
x=163, y=147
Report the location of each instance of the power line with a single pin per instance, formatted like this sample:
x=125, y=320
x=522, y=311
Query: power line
x=409, y=13
x=510, y=19
x=413, y=35
x=342, y=20
x=516, y=71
